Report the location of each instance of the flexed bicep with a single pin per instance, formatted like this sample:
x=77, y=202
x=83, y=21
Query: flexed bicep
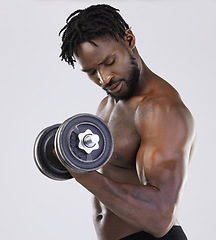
x=167, y=135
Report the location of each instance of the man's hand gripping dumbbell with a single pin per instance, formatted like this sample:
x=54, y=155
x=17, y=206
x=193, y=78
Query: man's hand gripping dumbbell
x=80, y=144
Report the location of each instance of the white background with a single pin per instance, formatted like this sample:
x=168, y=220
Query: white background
x=175, y=38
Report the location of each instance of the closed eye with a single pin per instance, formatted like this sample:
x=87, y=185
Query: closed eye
x=109, y=62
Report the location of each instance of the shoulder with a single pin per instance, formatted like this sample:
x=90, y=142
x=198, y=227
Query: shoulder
x=163, y=112
x=105, y=105
x=102, y=105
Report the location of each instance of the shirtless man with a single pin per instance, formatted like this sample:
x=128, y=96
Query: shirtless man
x=138, y=192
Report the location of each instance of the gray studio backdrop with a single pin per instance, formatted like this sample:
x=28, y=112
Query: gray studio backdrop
x=176, y=40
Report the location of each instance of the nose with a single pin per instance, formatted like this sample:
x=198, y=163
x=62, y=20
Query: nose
x=104, y=77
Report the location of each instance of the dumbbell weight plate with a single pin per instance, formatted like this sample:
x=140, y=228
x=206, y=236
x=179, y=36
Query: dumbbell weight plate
x=44, y=157
x=67, y=141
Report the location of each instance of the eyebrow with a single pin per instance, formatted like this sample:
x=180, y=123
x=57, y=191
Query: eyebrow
x=100, y=63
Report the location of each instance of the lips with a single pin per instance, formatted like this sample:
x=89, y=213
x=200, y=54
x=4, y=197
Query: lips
x=115, y=87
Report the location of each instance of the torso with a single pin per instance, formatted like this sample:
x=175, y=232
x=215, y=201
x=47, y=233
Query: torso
x=120, y=118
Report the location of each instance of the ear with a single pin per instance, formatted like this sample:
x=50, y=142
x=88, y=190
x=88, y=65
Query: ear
x=130, y=38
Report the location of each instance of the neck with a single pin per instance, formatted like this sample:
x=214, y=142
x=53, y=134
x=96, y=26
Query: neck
x=145, y=74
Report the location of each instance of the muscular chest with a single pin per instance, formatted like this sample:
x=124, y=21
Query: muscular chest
x=120, y=120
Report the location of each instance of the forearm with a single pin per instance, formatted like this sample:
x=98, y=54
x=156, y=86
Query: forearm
x=135, y=204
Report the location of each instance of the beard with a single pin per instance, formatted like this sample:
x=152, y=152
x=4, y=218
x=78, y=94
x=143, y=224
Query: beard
x=131, y=82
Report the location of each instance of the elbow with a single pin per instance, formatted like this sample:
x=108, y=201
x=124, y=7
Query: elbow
x=162, y=222
x=161, y=229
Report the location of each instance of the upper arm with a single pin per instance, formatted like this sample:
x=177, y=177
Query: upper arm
x=166, y=131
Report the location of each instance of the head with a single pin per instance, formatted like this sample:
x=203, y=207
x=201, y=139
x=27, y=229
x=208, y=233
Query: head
x=96, y=33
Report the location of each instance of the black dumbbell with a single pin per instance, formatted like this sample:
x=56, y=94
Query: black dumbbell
x=82, y=143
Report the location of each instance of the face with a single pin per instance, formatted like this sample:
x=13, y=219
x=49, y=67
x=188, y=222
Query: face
x=110, y=65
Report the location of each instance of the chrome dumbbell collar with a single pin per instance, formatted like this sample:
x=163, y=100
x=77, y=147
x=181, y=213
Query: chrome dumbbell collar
x=88, y=141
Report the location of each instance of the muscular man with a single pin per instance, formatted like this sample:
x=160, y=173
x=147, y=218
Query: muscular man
x=138, y=192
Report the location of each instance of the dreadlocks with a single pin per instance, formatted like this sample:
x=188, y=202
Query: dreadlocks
x=84, y=25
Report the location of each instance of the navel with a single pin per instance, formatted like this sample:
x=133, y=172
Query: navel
x=99, y=217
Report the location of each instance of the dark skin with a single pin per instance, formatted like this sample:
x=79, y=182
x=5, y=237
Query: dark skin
x=140, y=188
